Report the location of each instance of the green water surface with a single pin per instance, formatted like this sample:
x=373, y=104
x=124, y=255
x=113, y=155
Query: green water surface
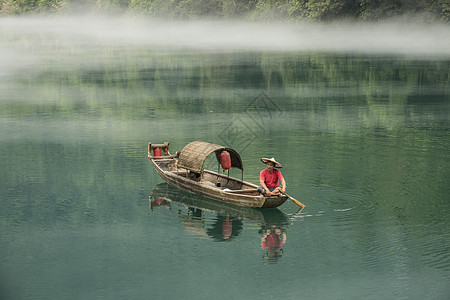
x=363, y=138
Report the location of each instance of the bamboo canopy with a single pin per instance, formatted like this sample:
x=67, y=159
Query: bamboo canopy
x=194, y=154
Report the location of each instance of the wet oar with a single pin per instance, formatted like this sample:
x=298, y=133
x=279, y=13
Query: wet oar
x=296, y=201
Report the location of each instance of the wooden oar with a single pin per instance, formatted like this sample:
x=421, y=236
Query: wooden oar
x=296, y=201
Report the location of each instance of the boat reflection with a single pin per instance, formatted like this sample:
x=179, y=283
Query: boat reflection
x=227, y=222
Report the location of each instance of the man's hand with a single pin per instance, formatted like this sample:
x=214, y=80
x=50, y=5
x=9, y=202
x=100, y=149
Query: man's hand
x=276, y=191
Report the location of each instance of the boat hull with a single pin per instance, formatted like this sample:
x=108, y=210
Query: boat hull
x=207, y=189
x=166, y=193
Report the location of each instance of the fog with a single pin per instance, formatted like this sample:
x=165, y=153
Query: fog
x=31, y=48
x=389, y=37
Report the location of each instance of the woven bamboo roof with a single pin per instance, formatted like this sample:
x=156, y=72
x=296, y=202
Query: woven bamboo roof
x=194, y=154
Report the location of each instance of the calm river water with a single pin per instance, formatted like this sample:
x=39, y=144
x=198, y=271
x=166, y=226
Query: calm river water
x=363, y=137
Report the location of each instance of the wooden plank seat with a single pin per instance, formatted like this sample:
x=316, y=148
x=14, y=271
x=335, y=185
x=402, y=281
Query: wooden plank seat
x=243, y=191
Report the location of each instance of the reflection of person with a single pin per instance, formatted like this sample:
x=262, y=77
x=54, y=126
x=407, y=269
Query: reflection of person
x=272, y=240
x=269, y=178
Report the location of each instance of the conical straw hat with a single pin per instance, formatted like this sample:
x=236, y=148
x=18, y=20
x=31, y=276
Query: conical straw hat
x=266, y=160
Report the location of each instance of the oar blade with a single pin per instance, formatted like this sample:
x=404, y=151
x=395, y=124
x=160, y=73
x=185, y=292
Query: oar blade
x=296, y=201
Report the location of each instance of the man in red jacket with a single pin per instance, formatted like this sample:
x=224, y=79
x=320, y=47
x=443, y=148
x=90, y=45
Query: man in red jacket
x=270, y=177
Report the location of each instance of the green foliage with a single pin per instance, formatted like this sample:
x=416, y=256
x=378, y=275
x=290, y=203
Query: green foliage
x=310, y=10
x=237, y=8
x=444, y=8
x=378, y=9
x=320, y=9
x=277, y=9
x=159, y=8
x=201, y=8
x=16, y=7
x=113, y=6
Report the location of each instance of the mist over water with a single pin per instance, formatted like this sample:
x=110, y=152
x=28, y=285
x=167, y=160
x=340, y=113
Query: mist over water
x=387, y=37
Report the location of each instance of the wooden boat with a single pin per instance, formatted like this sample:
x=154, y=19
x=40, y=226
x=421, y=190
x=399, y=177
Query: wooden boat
x=185, y=170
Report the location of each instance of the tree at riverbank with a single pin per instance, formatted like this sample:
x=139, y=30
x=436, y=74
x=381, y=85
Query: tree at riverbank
x=292, y=10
